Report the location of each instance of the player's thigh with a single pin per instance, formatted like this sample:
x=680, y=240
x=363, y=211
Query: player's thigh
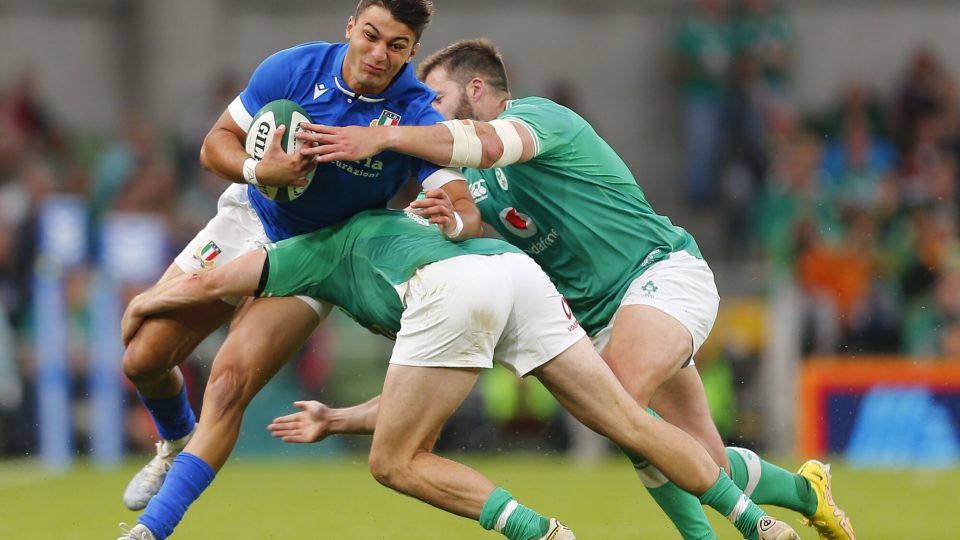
x=663, y=319
x=165, y=340
x=263, y=335
x=646, y=347
x=414, y=404
x=682, y=401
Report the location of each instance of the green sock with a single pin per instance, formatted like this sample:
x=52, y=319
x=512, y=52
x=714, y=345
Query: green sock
x=683, y=509
x=765, y=483
x=726, y=498
x=505, y=515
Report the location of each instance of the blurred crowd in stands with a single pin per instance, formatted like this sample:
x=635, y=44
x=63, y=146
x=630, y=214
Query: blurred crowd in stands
x=858, y=203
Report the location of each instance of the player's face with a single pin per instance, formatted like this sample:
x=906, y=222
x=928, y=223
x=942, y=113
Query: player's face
x=453, y=101
x=379, y=46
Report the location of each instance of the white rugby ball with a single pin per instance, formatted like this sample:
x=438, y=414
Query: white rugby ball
x=281, y=112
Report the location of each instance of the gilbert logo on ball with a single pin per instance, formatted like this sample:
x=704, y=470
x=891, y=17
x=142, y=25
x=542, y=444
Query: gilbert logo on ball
x=281, y=112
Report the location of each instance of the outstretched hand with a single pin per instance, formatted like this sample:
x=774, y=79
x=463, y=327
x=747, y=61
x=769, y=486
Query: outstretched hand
x=346, y=143
x=309, y=425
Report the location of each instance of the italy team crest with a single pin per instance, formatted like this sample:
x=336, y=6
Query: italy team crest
x=207, y=254
x=387, y=118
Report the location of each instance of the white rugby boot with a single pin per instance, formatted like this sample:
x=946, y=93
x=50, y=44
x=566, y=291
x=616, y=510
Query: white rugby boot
x=769, y=528
x=146, y=483
x=137, y=532
x=558, y=531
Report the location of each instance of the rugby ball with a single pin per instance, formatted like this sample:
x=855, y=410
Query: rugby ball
x=281, y=112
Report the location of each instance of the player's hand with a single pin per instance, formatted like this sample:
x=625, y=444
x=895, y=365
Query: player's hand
x=437, y=207
x=311, y=424
x=346, y=143
x=278, y=168
x=131, y=322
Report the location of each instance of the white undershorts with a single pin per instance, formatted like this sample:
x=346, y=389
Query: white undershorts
x=236, y=230
x=681, y=286
x=470, y=310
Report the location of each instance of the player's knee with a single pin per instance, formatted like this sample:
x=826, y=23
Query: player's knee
x=388, y=470
x=142, y=364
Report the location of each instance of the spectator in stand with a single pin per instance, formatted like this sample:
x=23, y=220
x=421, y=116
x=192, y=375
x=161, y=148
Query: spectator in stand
x=930, y=328
x=857, y=102
x=922, y=90
x=704, y=50
x=793, y=210
x=763, y=39
x=861, y=166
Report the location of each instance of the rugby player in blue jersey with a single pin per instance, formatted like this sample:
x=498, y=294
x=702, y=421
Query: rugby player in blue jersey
x=367, y=80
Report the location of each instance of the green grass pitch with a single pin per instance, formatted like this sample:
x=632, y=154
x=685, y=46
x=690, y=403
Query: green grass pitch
x=338, y=499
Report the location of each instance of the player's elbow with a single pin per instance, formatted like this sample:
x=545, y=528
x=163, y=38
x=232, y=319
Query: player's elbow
x=204, y=157
x=492, y=150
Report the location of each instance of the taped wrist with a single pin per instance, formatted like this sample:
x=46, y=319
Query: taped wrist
x=458, y=228
x=250, y=171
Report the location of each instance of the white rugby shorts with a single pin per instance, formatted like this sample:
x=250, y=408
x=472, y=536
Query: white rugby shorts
x=470, y=310
x=681, y=286
x=236, y=230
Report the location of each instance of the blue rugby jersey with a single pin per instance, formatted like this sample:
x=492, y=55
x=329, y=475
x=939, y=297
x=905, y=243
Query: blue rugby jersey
x=311, y=75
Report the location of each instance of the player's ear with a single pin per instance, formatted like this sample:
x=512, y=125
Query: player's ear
x=351, y=22
x=476, y=88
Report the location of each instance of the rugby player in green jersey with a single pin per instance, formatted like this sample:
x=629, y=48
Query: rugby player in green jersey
x=453, y=308
x=550, y=185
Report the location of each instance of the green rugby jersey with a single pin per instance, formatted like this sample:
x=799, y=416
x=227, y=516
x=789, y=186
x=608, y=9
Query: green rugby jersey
x=577, y=210
x=355, y=264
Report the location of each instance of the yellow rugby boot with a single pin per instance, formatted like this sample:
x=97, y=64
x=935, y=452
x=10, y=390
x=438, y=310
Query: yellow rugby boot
x=829, y=520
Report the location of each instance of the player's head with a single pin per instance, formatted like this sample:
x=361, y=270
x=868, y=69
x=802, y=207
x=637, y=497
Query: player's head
x=383, y=36
x=469, y=78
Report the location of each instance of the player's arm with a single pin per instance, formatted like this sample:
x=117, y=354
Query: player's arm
x=453, y=143
x=316, y=421
x=239, y=277
x=223, y=154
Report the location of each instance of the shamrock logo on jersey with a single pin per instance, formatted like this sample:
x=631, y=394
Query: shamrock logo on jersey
x=501, y=179
x=649, y=289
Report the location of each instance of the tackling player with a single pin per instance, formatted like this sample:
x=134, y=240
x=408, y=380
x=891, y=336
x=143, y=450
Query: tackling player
x=546, y=181
x=453, y=309
x=367, y=80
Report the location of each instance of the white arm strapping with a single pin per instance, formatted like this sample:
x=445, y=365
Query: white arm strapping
x=467, y=148
x=512, y=144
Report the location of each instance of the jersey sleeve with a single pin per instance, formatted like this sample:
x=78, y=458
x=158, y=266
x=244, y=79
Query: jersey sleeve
x=551, y=125
x=270, y=81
